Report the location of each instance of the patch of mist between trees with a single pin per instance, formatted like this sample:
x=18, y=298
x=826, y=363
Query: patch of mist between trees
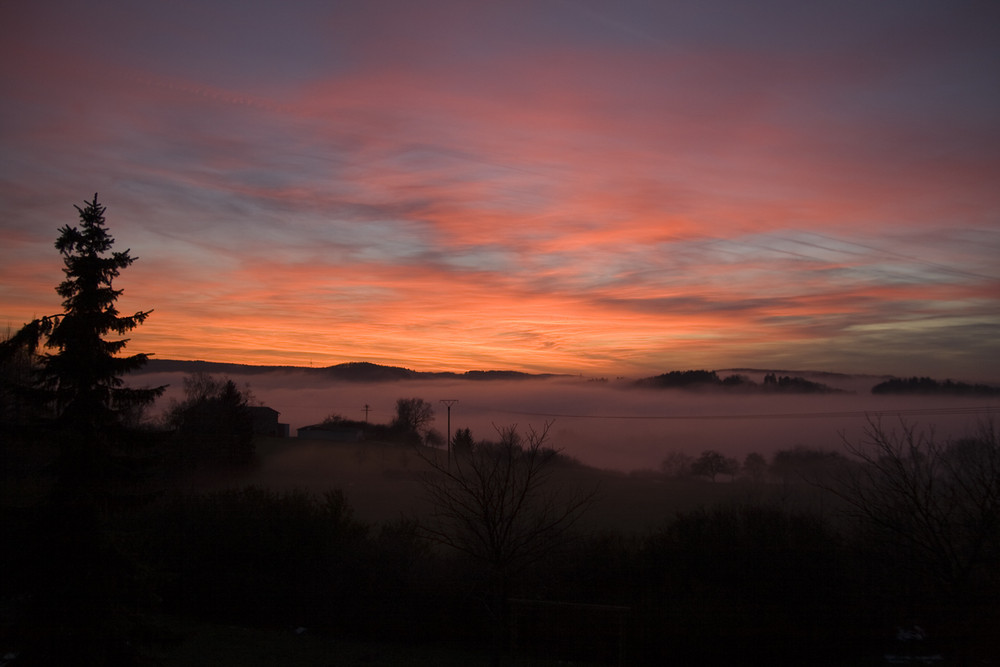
x=610, y=425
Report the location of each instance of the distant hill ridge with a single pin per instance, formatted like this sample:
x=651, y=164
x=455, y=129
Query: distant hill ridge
x=780, y=381
x=354, y=371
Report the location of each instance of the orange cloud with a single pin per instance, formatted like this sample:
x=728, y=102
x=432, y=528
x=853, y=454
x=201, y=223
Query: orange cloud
x=439, y=198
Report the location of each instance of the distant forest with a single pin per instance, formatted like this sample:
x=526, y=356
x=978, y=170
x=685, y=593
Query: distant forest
x=925, y=385
x=711, y=380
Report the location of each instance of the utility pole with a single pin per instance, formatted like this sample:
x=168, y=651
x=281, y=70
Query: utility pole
x=449, y=402
x=366, y=409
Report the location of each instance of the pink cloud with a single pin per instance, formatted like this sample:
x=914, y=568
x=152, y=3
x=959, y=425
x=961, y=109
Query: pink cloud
x=433, y=197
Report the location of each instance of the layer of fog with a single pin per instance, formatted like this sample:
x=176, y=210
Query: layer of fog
x=609, y=425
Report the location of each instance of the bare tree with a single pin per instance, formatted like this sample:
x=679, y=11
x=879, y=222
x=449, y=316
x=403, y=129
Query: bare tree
x=413, y=416
x=499, y=504
x=712, y=463
x=939, y=500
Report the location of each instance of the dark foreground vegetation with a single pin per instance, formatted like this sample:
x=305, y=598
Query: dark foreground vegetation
x=690, y=573
x=195, y=541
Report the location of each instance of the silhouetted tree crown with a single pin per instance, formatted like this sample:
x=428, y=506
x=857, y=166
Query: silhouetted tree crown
x=937, y=502
x=214, y=423
x=83, y=377
x=463, y=442
x=711, y=463
x=499, y=504
x=413, y=416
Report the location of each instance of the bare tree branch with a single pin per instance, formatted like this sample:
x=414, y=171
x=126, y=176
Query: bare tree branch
x=940, y=500
x=497, y=502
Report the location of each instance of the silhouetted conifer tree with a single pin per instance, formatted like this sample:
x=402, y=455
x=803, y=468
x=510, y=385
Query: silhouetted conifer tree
x=80, y=583
x=84, y=375
x=463, y=442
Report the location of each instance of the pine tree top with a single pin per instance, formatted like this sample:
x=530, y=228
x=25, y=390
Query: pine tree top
x=84, y=373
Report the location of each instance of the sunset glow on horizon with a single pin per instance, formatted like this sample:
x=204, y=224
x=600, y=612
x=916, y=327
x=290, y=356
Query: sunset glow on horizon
x=563, y=186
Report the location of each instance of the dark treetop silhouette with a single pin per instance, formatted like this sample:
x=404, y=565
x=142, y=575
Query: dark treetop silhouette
x=83, y=376
x=82, y=379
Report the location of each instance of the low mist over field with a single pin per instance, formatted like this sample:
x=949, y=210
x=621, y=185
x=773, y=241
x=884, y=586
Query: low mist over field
x=611, y=424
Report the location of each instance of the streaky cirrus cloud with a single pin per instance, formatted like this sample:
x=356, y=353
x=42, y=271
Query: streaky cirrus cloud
x=557, y=186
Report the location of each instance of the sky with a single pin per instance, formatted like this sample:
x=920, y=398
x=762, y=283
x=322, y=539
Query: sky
x=565, y=186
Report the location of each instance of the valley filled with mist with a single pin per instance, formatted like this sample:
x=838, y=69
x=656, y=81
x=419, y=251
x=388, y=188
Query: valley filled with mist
x=695, y=517
x=605, y=423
